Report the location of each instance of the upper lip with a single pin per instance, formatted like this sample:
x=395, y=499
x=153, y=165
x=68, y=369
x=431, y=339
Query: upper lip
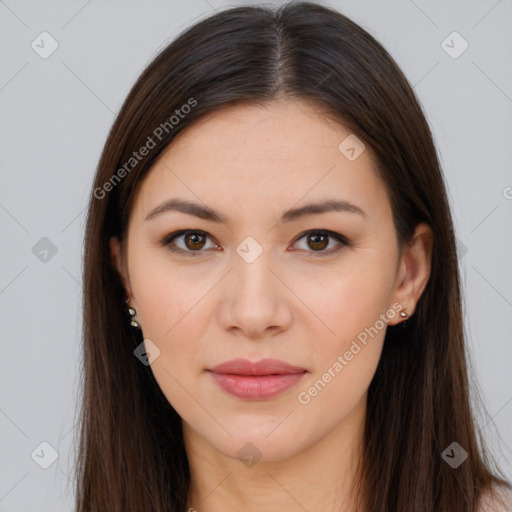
x=262, y=367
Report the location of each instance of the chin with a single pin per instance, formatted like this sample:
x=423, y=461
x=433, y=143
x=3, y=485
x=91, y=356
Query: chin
x=260, y=440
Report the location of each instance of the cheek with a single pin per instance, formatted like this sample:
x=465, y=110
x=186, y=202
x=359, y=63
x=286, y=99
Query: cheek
x=345, y=362
x=166, y=295
x=353, y=305
x=168, y=307
x=345, y=303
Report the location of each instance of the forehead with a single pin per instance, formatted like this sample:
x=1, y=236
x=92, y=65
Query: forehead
x=256, y=157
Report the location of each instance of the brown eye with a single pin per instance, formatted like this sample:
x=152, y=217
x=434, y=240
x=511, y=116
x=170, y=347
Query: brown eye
x=191, y=242
x=318, y=240
x=194, y=241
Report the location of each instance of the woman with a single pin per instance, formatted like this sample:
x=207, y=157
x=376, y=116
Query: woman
x=272, y=310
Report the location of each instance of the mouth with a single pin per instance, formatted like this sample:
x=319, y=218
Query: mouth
x=256, y=380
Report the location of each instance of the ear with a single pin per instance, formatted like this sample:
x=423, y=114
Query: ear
x=118, y=262
x=414, y=270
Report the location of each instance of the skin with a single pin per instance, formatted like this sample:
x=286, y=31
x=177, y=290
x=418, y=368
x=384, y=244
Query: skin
x=294, y=302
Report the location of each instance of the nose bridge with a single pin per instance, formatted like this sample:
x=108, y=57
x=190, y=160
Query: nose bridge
x=253, y=279
x=256, y=297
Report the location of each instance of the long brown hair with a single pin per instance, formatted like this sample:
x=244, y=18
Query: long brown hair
x=131, y=455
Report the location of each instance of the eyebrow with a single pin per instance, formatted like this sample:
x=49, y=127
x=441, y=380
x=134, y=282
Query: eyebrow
x=207, y=213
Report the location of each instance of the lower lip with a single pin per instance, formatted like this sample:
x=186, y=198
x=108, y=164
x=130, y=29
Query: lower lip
x=256, y=387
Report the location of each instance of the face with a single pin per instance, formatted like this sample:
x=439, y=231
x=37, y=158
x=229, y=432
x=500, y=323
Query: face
x=313, y=290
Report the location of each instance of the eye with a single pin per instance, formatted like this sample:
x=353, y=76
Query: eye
x=195, y=240
x=318, y=240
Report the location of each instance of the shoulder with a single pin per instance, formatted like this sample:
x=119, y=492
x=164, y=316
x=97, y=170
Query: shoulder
x=500, y=501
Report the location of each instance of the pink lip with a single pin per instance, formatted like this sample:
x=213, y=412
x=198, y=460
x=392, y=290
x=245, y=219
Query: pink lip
x=256, y=380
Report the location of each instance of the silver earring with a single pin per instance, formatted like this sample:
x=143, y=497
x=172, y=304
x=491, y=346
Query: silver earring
x=403, y=314
x=132, y=313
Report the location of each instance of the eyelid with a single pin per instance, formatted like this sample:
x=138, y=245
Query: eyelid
x=341, y=239
x=168, y=240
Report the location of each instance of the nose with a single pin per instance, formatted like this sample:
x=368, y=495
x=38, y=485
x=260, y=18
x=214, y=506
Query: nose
x=256, y=303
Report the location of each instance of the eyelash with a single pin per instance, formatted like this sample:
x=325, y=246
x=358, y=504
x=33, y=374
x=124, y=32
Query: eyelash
x=168, y=241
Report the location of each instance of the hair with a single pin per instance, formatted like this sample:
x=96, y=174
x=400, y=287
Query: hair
x=131, y=453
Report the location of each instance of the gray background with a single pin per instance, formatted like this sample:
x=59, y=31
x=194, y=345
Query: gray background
x=55, y=115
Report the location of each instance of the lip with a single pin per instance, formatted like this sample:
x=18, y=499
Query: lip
x=256, y=380
x=262, y=367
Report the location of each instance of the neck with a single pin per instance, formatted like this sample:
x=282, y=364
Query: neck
x=321, y=477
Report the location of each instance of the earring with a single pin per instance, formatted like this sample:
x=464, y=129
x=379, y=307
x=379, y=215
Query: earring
x=403, y=314
x=132, y=313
